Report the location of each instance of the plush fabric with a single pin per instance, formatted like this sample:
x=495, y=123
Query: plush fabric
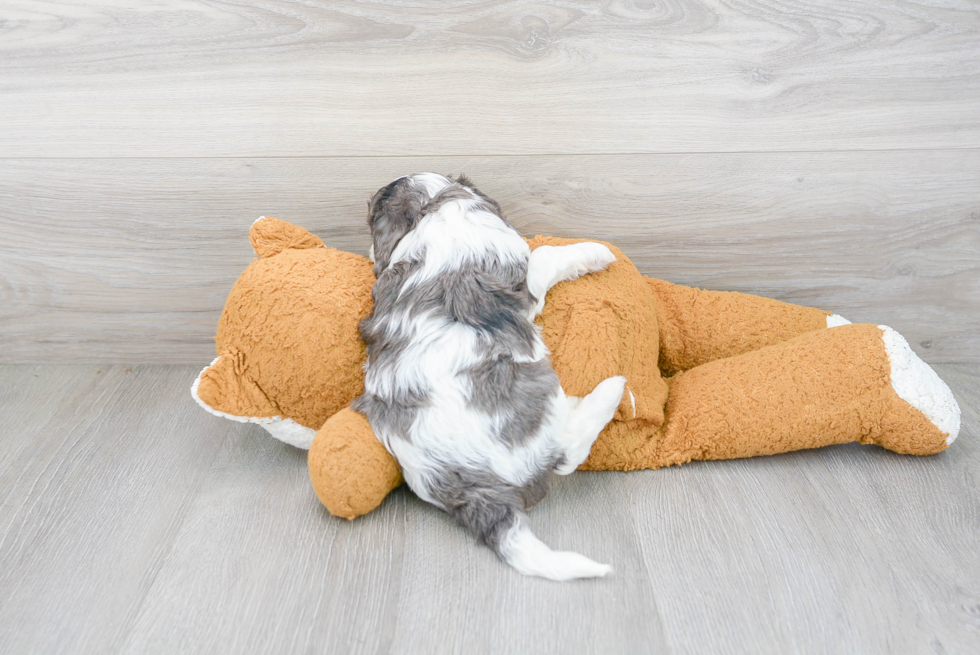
x=287, y=340
x=710, y=374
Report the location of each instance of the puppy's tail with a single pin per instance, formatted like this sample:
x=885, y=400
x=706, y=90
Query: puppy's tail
x=504, y=528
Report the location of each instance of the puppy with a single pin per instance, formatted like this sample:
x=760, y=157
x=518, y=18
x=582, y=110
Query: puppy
x=458, y=385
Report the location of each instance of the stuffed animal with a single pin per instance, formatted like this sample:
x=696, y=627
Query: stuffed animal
x=710, y=374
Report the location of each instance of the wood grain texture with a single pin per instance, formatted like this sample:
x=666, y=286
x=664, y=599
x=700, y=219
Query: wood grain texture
x=854, y=537
x=195, y=78
x=133, y=522
x=825, y=153
x=261, y=567
x=97, y=473
x=130, y=261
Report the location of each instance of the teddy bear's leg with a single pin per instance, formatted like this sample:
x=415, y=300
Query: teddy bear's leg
x=699, y=326
x=852, y=383
x=586, y=419
x=550, y=265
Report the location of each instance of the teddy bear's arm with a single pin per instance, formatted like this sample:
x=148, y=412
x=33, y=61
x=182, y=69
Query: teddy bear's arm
x=350, y=470
x=699, y=326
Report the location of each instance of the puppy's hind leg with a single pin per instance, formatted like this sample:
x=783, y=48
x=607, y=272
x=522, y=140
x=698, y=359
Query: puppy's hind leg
x=550, y=265
x=586, y=419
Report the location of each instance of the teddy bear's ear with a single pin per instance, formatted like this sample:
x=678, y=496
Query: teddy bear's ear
x=270, y=236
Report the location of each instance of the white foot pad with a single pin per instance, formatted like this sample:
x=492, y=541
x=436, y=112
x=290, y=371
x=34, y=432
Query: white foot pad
x=918, y=385
x=833, y=320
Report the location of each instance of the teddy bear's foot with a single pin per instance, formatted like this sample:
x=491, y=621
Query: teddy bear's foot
x=833, y=320
x=918, y=385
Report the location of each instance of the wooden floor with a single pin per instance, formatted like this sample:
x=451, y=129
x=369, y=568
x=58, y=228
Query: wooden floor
x=823, y=152
x=132, y=522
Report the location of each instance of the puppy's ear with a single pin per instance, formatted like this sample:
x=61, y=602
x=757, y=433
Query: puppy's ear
x=392, y=213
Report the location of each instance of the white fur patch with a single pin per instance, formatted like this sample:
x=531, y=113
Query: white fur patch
x=433, y=183
x=439, y=350
x=451, y=433
x=833, y=320
x=526, y=553
x=588, y=418
x=920, y=386
x=284, y=429
x=456, y=234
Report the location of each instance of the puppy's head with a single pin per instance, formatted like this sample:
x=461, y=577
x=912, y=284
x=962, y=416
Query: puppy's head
x=395, y=209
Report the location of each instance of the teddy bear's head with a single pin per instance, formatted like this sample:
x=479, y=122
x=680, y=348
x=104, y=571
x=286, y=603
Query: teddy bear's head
x=289, y=352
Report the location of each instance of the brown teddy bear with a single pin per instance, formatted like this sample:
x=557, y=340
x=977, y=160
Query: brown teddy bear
x=710, y=374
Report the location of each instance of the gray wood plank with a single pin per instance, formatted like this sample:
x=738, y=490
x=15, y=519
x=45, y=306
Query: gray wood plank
x=456, y=597
x=139, y=524
x=131, y=260
x=91, y=507
x=259, y=566
x=842, y=549
x=30, y=395
x=500, y=77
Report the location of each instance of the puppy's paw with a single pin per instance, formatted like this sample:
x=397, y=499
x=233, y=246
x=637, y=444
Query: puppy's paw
x=606, y=396
x=593, y=257
x=587, y=419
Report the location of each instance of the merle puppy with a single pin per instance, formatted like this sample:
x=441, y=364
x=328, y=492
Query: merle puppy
x=458, y=385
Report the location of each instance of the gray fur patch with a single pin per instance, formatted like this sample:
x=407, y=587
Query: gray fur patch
x=485, y=504
x=392, y=213
x=392, y=416
x=449, y=194
x=477, y=298
x=516, y=392
x=489, y=295
x=461, y=191
x=489, y=203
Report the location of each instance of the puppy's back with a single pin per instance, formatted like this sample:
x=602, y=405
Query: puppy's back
x=458, y=385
